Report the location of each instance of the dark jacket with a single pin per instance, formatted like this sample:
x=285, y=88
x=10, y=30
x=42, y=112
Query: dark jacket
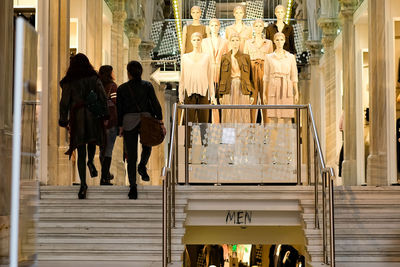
x=111, y=93
x=142, y=99
x=246, y=78
x=84, y=127
x=287, y=31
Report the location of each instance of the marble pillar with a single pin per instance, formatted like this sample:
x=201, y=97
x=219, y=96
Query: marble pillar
x=134, y=24
x=6, y=85
x=60, y=168
x=377, y=164
x=316, y=90
x=329, y=28
x=94, y=24
x=117, y=35
x=349, y=93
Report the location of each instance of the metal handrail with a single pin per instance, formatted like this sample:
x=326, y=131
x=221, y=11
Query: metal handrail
x=327, y=174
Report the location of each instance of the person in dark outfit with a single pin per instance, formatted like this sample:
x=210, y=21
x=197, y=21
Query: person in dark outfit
x=136, y=98
x=110, y=87
x=86, y=131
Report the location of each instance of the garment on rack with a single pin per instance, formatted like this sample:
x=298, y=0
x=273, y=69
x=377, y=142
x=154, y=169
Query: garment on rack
x=245, y=34
x=288, y=31
x=215, y=50
x=279, y=75
x=190, y=29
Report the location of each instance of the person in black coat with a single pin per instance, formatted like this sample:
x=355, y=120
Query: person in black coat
x=136, y=98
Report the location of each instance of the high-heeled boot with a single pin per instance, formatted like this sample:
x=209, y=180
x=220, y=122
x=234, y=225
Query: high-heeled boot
x=105, y=171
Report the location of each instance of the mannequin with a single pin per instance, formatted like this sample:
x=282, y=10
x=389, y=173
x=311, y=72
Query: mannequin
x=281, y=26
x=188, y=30
x=235, y=84
x=215, y=46
x=196, y=87
x=280, y=80
x=258, y=48
x=239, y=27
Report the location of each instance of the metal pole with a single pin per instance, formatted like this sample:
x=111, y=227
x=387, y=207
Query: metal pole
x=308, y=148
x=176, y=148
x=169, y=218
x=164, y=227
x=298, y=147
x=332, y=221
x=316, y=216
x=324, y=217
x=186, y=147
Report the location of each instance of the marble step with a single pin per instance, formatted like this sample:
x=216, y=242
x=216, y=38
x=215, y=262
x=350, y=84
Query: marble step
x=108, y=230
x=132, y=223
x=91, y=263
x=100, y=255
x=114, y=247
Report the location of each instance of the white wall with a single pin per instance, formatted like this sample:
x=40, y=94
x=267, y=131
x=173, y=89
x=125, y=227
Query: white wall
x=78, y=11
x=107, y=22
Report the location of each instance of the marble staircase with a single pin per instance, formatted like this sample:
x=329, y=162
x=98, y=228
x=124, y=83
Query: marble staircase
x=106, y=229
x=367, y=227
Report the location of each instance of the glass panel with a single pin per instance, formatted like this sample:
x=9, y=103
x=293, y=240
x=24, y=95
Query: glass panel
x=240, y=153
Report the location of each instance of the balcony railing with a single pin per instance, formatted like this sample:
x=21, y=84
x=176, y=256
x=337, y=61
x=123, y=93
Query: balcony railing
x=223, y=150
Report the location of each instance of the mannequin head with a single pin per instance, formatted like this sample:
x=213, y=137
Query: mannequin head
x=195, y=12
x=234, y=41
x=280, y=12
x=196, y=39
x=214, y=25
x=258, y=26
x=279, y=40
x=238, y=12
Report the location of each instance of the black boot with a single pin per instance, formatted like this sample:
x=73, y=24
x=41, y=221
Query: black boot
x=133, y=192
x=105, y=171
x=82, y=192
x=142, y=170
x=92, y=169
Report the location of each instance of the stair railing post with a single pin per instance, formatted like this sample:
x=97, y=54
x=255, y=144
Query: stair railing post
x=187, y=141
x=324, y=230
x=164, y=225
x=308, y=148
x=332, y=219
x=316, y=180
x=169, y=215
x=298, y=146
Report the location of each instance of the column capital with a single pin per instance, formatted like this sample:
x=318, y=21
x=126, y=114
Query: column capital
x=119, y=16
x=347, y=7
x=145, y=48
x=329, y=28
x=315, y=49
x=133, y=27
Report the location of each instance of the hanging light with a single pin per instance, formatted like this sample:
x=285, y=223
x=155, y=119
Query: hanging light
x=288, y=11
x=178, y=21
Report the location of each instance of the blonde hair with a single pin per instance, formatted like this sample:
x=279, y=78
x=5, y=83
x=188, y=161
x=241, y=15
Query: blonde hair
x=279, y=34
x=237, y=7
x=280, y=6
x=195, y=7
x=216, y=20
x=234, y=35
x=258, y=21
x=196, y=34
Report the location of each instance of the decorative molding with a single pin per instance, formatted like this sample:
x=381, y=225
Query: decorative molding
x=348, y=7
x=145, y=49
x=133, y=27
x=315, y=48
x=119, y=16
x=329, y=28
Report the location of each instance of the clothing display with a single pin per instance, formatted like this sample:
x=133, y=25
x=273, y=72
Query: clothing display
x=216, y=50
x=235, y=86
x=257, y=53
x=245, y=34
x=288, y=31
x=279, y=75
x=190, y=29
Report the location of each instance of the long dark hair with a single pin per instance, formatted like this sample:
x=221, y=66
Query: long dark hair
x=79, y=67
x=105, y=74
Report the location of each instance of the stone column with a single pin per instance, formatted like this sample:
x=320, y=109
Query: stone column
x=94, y=23
x=316, y=91
x=329, y=28
x=349, y=93
x=377, y=166
x=6, y=85
x=117, y=45
x=133, y=25
x=59, y=167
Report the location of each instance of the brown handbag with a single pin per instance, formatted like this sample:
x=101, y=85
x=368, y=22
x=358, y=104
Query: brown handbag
x=151, y=130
